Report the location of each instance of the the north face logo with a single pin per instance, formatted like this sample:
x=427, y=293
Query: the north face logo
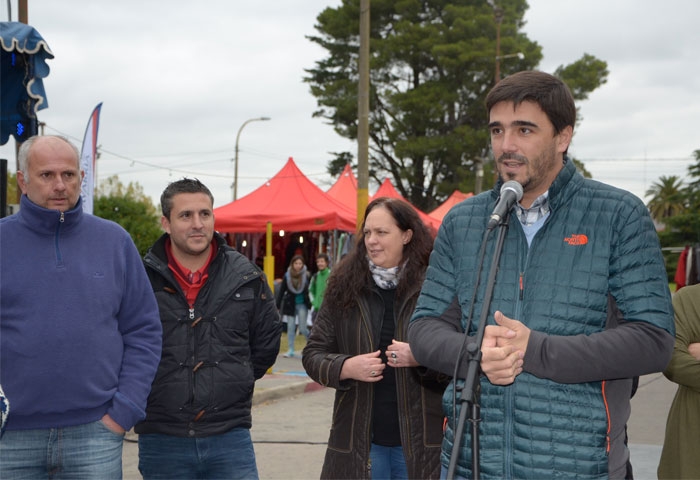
x=576, y=239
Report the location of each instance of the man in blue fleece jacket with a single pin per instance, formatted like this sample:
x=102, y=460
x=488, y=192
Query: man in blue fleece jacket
x=80, y=334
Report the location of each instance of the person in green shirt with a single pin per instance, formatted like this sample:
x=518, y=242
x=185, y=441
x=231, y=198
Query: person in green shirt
x=317, y=287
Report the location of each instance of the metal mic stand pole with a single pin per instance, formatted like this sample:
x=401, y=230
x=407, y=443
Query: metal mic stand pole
x=469, y=397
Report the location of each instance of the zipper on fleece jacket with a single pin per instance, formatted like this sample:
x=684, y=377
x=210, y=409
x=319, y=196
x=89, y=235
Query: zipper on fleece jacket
x=59, y=256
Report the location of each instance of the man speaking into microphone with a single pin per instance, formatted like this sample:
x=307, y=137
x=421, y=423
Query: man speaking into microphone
x=580, y=305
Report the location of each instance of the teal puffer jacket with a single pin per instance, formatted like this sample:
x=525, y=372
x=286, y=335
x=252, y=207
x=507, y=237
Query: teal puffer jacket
x=587, y=251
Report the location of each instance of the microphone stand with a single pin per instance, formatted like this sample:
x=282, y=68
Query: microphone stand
x=469, y=397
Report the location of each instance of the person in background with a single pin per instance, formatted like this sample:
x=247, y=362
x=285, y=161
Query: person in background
x=317, y=286
x=387, y=419
x=679, y=456
x=293, y=300
x=80, y=336
x=581, y=303
x=221, y=333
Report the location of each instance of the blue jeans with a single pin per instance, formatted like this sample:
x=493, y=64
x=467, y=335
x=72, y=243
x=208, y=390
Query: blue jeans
x=83, y=452
x=229, y=455
x=302, y=313
x=388, y=463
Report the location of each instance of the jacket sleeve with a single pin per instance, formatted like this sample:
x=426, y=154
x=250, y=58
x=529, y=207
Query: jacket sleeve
x=630, y=350
x=435, y=331
x=321, y=358
x=436, y=342
x=142, y=334
x=265, y=331
x=684, y=369
x=312, y=287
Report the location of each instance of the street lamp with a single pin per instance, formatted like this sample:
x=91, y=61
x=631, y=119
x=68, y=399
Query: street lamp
x=520, y=55
x=497, y=75
x=235, y=168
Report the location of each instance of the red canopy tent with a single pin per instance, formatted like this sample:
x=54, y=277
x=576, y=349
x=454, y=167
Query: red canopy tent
x=387, y=189
x=290, y=201
x=451, y=201
x=345, y=188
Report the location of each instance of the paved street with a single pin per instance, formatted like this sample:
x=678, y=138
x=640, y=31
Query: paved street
x=290, y=432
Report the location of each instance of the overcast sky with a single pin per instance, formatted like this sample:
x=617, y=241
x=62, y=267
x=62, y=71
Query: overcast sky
x=177, y=80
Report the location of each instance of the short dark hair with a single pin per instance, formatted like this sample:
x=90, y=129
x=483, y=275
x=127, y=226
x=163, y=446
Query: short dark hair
x=324, y=256
x=549, y=92
x=186, y=185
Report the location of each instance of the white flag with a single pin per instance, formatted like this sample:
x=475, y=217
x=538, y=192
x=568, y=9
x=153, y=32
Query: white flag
x=88, y=155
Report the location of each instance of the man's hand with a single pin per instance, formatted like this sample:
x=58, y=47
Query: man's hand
x=521, y=338
x=500, y=362
x=112, y=425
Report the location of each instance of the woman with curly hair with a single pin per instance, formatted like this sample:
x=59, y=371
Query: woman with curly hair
x=387, y=416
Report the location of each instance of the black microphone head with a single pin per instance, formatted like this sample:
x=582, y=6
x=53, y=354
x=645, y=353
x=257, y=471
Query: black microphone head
x=515, y=187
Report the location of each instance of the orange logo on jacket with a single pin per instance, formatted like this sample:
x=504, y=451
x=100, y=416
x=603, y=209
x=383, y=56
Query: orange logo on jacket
x=576, y=239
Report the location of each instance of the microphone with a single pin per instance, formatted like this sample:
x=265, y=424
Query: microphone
x=511, y=192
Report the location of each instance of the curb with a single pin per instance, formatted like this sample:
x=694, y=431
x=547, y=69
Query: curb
x=262, y=395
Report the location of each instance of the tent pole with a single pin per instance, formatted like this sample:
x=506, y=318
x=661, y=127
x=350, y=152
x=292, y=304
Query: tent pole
x=269, y=262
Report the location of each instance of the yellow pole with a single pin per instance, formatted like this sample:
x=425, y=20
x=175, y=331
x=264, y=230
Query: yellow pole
x=269, y=263
x=269, y=260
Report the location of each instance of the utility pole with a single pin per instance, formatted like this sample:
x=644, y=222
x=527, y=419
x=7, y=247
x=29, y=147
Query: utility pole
x=22, y=11
x=498, y=14
x=363, y=115
x=23, y=17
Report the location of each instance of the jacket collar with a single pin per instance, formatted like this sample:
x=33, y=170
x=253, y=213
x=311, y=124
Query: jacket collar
x=157, y=250
x=43, y=220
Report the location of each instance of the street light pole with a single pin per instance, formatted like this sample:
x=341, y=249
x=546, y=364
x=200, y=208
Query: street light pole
x=235, y=160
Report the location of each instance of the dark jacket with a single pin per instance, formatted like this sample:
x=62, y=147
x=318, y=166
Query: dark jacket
x=213, y=354
x=339, y=335
x=285, y=300
x=597, y=253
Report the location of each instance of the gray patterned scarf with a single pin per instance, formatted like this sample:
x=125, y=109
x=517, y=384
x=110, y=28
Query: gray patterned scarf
x=385, y=278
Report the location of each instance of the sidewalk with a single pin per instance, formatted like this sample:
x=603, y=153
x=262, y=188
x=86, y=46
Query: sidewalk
x=286, y=378
x=646, y=427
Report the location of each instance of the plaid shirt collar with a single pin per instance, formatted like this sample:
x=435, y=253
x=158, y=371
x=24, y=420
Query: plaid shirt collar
x=539, y=209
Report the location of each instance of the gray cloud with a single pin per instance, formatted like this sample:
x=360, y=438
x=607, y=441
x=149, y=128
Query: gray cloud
x=177, y=79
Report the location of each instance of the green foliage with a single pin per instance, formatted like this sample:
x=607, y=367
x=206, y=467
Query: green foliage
x=667, y=198
x=12, y=188
x=432, y=64
x=677, y=205
x=131, y=208
x=583, y=76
